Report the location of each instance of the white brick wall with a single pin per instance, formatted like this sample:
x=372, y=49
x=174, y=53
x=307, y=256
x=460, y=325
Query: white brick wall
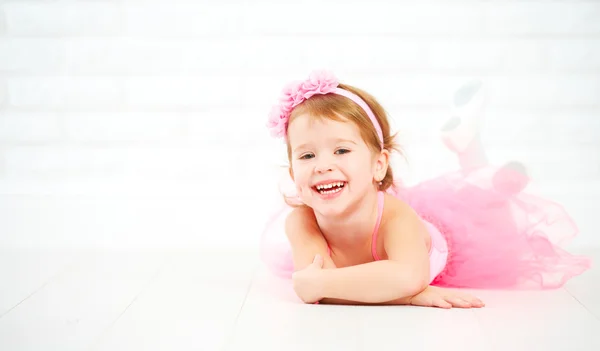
x=22, y=55
x=95, y=91
x=70, y=18
x=2, y=23
x=64, y=92
x=3, y=92
x=22, y=127
x=542, y=18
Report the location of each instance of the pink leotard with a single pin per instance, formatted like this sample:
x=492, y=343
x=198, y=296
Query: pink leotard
x=438, y=253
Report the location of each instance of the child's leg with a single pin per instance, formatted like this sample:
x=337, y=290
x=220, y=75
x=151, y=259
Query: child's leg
x=462, y=135
x=462, y=132
x=471, y=154
x=474, y=155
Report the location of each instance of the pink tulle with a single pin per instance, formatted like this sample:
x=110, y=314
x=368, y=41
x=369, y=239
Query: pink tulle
x=498, y=236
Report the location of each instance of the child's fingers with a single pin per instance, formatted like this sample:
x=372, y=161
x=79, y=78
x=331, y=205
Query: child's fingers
x=440, y=302
x=475, y=302
x=458, y=302
x=318, y=260
x=479, y=302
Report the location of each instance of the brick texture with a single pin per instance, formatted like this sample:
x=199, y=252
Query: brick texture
x=181, y=90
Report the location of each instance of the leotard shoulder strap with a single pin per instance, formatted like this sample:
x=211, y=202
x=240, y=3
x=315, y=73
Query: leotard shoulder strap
x=380, y=201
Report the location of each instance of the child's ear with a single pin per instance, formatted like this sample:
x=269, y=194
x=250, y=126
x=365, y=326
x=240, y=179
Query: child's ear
x=382, y=164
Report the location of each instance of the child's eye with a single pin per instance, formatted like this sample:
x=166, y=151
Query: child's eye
x=342, y=151
x=306, y=156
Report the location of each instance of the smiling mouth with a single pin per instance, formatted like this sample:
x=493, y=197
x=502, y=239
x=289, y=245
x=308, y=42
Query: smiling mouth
x=332, y=188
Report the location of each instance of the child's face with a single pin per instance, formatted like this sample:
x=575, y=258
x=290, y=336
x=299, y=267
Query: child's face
x=330, y=153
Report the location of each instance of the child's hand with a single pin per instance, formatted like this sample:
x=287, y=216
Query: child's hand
x=307, y=284
x=445, y=298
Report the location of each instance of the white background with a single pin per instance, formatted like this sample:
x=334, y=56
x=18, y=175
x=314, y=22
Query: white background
x=140, y=124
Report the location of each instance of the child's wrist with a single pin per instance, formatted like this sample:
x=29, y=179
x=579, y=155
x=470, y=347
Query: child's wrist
x=324, y=283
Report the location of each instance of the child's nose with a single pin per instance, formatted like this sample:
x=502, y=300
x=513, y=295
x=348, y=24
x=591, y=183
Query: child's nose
x=323, y=166
x=323, y=169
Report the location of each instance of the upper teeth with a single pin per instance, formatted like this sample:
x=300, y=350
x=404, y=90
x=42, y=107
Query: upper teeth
x=328, y=186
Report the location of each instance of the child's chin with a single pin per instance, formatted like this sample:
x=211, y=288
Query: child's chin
x=331, y=214
x=330, y=209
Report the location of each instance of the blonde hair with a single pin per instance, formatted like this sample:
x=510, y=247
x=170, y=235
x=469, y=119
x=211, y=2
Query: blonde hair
x=340, y=108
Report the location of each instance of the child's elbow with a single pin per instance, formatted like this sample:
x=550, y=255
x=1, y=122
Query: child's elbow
x=413, y=283
x=420, y=284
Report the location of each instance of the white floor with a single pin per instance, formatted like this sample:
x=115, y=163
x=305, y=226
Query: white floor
x=227, y=301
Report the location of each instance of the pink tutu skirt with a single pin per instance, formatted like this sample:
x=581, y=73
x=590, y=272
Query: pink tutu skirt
x=498, y=237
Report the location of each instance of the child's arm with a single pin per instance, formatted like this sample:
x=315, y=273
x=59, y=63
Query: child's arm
x=432, y=296
x=404, y=274
x=400, y=301
x=306, y=239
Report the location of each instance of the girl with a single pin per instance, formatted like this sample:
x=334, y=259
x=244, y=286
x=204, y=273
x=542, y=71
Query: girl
x=353, y=235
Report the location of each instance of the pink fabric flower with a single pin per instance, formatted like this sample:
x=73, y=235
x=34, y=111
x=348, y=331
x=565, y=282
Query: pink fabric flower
x=293, y=94
x=277, y=122
x=321, y=82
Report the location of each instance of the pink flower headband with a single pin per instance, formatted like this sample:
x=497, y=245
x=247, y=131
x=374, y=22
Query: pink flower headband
x=319, y=82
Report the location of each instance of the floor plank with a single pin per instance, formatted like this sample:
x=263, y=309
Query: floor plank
x=586, y=287
x=421, y=328
x=544, y=320
x=25, y=271
x=191, y=305
x=71, y=311
x=274, y=319
x=221, y=301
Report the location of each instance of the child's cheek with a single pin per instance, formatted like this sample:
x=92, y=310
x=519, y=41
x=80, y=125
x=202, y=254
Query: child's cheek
x=299, y=191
